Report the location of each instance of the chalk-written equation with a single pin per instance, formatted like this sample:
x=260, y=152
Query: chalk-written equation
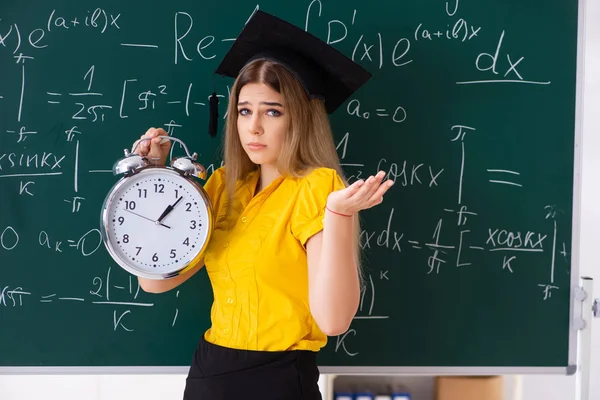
x=121, y=298
x=86, y=104
x=104, y=291
x=453, y=85
x=441, y=251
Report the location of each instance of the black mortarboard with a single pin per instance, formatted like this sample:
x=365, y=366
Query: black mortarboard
x=324, y=72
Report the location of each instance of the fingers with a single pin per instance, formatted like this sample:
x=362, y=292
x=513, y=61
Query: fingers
x=144, y=145
x=371, y=192
x=353, y=188
x=155, y=132
x=377, y=197
x=150, y=146
x=370, y=186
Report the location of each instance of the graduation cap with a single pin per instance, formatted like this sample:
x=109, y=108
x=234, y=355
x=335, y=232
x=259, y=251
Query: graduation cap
x=323, y=71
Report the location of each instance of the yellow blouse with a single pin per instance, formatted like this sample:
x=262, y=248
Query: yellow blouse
x=257, y=262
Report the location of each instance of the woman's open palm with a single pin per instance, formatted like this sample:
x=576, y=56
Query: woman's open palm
x=361, y=195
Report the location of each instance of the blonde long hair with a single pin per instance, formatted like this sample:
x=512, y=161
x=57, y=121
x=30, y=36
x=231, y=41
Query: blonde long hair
x=308, y=145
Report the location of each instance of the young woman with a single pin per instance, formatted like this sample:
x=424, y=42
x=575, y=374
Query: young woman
x=283, y=259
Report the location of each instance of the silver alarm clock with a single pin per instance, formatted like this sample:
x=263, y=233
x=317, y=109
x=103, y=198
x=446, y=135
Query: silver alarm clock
x=156, y=221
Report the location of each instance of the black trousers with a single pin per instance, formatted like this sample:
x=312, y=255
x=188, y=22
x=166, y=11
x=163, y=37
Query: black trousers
x=221, y=373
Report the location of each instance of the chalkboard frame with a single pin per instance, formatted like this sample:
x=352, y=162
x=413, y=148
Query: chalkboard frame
x=575, y=309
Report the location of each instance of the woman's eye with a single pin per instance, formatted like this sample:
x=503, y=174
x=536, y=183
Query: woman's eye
x=243, y=111
x=274, y=113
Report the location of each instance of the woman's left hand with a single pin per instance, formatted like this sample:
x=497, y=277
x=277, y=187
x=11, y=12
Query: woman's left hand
x=361, y=195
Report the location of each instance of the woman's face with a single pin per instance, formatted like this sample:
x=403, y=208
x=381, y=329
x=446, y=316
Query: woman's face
x=262, y=123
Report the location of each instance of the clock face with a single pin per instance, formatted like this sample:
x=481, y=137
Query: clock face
x=156, y=222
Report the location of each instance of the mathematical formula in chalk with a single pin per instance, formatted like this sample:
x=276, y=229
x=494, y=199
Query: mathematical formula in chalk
x=121, y=297
x=52, y=127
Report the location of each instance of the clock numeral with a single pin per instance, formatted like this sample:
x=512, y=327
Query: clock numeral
x=138, y=251
x=193, y=224
x=144, y=191
x=125, y=238
x=176, y=194
x=129, y=205
x=159, y=188
x=186, y=241
x=173, y=255
x=155, y=257
x=121, y=220
x=188, y=207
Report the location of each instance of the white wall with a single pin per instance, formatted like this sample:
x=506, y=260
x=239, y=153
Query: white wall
x=542, y=387
x=153, y=387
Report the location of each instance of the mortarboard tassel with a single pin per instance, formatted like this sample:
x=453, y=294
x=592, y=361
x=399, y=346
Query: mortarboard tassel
x=214, y=114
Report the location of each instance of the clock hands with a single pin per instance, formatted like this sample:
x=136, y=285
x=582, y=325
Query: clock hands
x=168, y=210
x=155, y=222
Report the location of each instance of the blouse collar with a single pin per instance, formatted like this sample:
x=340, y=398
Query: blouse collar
x=250, y=186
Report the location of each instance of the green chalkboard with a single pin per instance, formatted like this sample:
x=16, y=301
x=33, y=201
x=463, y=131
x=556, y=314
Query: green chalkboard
x=472, y=110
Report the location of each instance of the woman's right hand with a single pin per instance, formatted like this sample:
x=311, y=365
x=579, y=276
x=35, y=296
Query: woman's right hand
x=153, y=149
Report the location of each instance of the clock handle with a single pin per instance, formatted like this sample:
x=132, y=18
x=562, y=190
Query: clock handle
x=187, y=165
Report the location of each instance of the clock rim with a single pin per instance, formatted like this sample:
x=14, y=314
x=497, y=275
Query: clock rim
x=104, y=223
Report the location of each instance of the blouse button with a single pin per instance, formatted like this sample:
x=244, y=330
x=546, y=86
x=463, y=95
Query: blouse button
x=226, y=331
x=230, y=300
x=244, y=219
x=226, y=244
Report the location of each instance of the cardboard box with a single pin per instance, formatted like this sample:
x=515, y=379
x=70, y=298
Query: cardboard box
x=469, y=388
